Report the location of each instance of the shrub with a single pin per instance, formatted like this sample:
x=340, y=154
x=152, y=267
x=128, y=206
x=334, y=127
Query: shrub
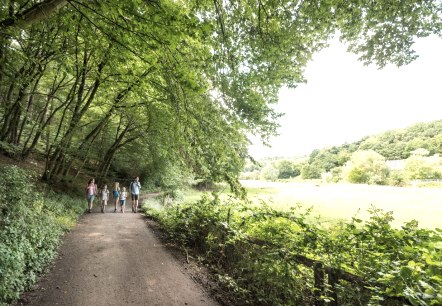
x=419, y=167
x=366, y=167
x=269, y=173
x=30, y=229
x=256, y=251
x=396, y=178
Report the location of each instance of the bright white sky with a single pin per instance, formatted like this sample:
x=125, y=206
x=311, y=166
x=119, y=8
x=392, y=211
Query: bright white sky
x=344, y=100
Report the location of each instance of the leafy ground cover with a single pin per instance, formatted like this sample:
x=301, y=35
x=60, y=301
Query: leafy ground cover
x=255, y=251
x=31, y=225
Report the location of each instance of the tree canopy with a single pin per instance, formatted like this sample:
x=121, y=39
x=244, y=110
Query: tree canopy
x=146, y=86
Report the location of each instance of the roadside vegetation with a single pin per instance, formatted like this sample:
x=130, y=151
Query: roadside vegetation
x=332, y=203
x=270, y=248
x=33, y=219
x=268, y=257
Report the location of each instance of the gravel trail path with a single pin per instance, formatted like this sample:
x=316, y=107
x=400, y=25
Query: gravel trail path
x=115, y=259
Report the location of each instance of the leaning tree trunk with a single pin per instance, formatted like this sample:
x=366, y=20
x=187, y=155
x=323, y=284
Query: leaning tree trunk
x=34, y=14
x=44, y=120
x=57, y=169
x=12, y=106
x=112, y=150
x=27, y=114
x=117, y=103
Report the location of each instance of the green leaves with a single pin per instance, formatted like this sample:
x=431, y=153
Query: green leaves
x=383, y=32
x=30, y=228
x=263, y=253
x=92, y=75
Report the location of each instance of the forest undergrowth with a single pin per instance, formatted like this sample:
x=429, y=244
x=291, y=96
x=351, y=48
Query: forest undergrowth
x=33, y=219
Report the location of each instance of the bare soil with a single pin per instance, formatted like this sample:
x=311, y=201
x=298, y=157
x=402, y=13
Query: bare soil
x=116, y=259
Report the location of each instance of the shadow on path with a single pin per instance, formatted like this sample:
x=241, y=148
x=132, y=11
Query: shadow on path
x=115, y=259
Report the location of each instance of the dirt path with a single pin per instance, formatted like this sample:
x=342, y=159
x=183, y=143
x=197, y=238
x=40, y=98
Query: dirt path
x=115, y=259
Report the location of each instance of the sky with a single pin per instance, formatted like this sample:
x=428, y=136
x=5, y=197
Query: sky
x=344, y=100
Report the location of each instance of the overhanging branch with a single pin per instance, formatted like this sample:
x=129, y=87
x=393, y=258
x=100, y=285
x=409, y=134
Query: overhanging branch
x=34, y=14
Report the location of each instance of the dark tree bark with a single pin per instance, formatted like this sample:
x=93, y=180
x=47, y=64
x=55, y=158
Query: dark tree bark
x=112, y=150
x=93, y=134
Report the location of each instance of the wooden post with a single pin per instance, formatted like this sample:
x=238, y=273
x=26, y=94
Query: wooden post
x=332, y=281
x=318, y=272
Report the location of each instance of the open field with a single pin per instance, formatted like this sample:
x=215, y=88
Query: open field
x=342, y=201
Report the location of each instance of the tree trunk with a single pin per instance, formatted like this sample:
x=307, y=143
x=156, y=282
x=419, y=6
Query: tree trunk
x=14, y=120
x=89, y=139
x=34, y=14
x=44, y=119
x=110, y=154
x=57, y=161
x=29, y=105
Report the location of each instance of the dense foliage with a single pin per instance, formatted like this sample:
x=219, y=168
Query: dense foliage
x=392, y=145
x=262, y=255
x=400, y=144
x=394, y=157
x=366, y=167
x=101, y=86
x=31, y=224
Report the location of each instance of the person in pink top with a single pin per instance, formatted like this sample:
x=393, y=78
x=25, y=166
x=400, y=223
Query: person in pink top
x=91, y=193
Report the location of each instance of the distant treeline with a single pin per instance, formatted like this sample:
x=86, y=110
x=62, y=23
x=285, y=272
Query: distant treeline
x=418, y=146
x=399, y=144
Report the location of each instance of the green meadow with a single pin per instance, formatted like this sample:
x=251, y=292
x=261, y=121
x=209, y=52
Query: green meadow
x=333, y=202
x=343, y=201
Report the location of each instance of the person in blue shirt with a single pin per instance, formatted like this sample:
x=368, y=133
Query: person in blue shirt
x=134, y=188
x=116, y=193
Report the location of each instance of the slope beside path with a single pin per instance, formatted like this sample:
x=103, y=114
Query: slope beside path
x=115, y=259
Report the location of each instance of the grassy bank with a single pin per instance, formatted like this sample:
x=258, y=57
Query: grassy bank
x=32, y=221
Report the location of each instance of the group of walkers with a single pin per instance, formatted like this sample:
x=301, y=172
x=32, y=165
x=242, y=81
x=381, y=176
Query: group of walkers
x=119, y=195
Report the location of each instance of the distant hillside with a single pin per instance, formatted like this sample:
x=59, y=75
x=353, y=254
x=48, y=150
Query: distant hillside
x=393, y=145
x=398, y=144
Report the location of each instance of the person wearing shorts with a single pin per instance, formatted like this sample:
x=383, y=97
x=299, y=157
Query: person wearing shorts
x=123, y=196
x=91, y=193
x=135, y=187
x=116, y=194
x=104, y=194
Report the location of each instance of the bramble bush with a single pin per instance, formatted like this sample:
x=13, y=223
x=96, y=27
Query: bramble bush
x=31, y=224
x=255, y=251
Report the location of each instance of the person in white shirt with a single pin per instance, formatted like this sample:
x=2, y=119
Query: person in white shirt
x=135, y=187
x=123, y=196
x=104, y=194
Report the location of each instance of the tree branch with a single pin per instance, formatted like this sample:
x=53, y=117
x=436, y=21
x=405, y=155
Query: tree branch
x=34, y=14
